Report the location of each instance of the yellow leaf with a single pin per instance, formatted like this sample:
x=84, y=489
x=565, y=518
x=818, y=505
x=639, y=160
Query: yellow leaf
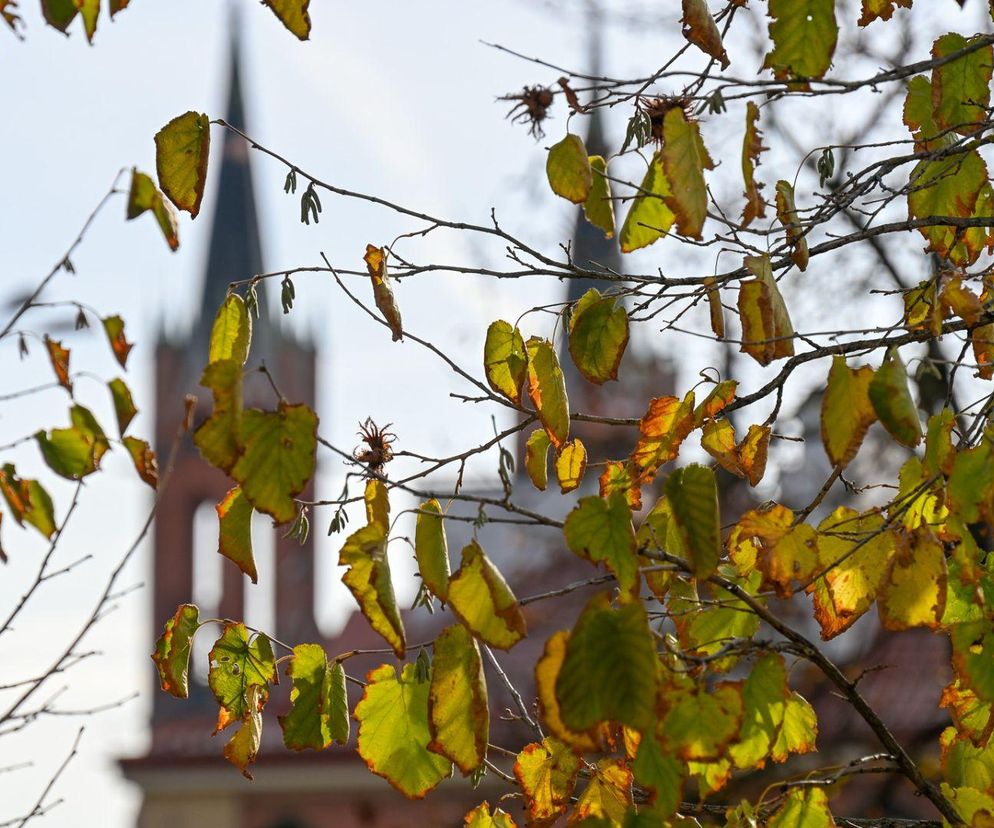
x=547, y=389
x=767, y=332
x=568, y=169
x=684, y=161
x=650, y=217
x=715, y=310
x=546, y=773
x=537, y=458
x=846, y=411
x=547, y=670
x=880, y=10
x=368, y=578
x=376, y=264
x=293, y=15
x=787, y=213
x=481, y=817
x=431, y=549
x=480, y=597
x=570, y=465
x=505, y=360
x=458, y=715
x=662, y=430
x=599, y=208
x=608, y=793
x=913, y=593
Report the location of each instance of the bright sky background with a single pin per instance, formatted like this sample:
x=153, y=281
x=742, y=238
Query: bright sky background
x=390, y=98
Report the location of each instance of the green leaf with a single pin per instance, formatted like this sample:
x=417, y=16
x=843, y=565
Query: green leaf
x=505, y=360
x=764, y=696
x=394, y=734
x=368, y=578
x=846, y=410
x=143, y=459
x=76, y=451
x=803, y=808
x=28, y=501
x=700, y=723
x=661, y=773
x=693, y=496
x=598, y=336
x=961, y=89
x=568, y=169
x=319, y=712
x=181, y=150
x=235, y=532
x=145, y=196
x=880, y=10
x=798, y=731
x=537, y=458
x=547, y=389
x=219, y=436
x=684, y=160
x=546, y=773
x=431, y=549
x=59, y=13
x=277, y=462
x=239, y=661
x=609, y=672
x=547, y=670
x=608, y=794
x=458, y=714
x=804, y=34
x=892, y=401
x=124, y=404
x=293, y=15
x=480, y=597
x=89, y=11
x=231, y=333
x=172, y=651
x=650, y=217
x=600, y=530
x=599, y=208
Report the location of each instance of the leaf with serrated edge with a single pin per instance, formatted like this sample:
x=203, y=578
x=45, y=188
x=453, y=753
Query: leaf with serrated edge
x=600, y=530
x=598, y=336
x=235, y=532
x=547, y=389
x=505, y=361
x=458, y=715
x=172, y=651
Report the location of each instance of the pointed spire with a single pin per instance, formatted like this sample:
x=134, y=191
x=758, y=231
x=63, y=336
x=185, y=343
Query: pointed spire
x=235, y=251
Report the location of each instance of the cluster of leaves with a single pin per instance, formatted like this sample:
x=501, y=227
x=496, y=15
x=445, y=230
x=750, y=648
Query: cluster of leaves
x=663, y=690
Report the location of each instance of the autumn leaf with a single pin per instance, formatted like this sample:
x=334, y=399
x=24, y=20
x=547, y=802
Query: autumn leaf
x=235, y=531
x=662, y=430
x=240, y=660
x=482, y=817
x=144, y=196
x=608, y=794
x=568, y=169
x=752, y=149
x=699, y=28
x=231, y=333
x=699, y=724
x=480, y=597
x=913, y=593
x=181, y=150
x=394, y=731
x=892, y=403
x=806, y=806
x=547, y=389
x=243, y=747
x=59, y=358
x=961, y=89
x=547, y=670
x=376, y=264
x=767, y=332
x=787, y=214
x=124, y=404
x=28, y=501
x=458, y=715
x=570, y=465
x=599, y=207
x=172, y=651
x=684, y=161
x=368, y=579
x=537, y=458
x=144, y=460
x=693, y=496
x=319, y=713
x=598, y=336
x=219, y=436
x=846, y=410
x=601, y=531
x=293, y=15
x=804, y=34
x=880, y=10
x=505, y=360
x=74, y=452
x=431, y=549
x=114, y=328
x=546, y=772
x=650, y=216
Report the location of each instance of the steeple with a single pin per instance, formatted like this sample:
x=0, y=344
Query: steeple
x=235, y=251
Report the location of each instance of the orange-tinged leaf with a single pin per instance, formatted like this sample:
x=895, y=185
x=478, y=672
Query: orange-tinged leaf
x=480, y=598
x=718, y=398
x=124, y=404
x=181, y=150
x=571, y=465
x=961, y=89
x=787, y=213
x=393, y=731
x=547, y=670
x=547, y=389
x=684, y=160
x=700, y=29
x=144, y=460
x=458, y=715
x=172, y=651
x=546, y=772
x=568, y=169
x=114, y=327
x=59, y=357
x=745, y=460
x=239, y=661
x=242, y=748
x=89, y=11
x=913, y=593
x=880, y=10
x=376, y=264
x=537, y=458
x=961, y=301
x=699, y=723
x=598, y=336
x=505, y=360
x=28, y=501
x=293, y=15
x=846, y=410
x=608, y=794
x=482, y=817
x=662, y=430
x=752, y=149
x=767, y=332
x=715, y=310
x=982, y=342
x=939, y=453
x=235, y=532
x=650, y=217
x=619, y=476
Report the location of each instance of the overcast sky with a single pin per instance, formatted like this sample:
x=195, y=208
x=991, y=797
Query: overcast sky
x=390, y=98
